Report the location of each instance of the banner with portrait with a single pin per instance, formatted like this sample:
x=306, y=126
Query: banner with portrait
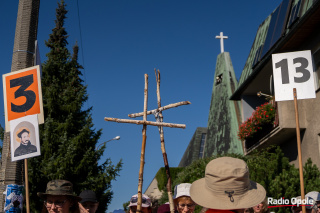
x=24, y=136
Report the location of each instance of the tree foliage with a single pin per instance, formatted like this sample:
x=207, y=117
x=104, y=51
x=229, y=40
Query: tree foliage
x=68, y=137
x=269, y=167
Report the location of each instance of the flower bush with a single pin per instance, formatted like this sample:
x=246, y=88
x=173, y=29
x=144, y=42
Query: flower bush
x=264, y=114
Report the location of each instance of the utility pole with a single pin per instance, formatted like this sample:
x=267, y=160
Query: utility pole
x=23, y=55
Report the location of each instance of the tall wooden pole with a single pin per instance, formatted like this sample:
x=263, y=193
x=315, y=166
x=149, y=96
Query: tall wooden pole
x=26, y=185
x=163, y=149
x=23, y=53
x=299, y=147
x=143, y=147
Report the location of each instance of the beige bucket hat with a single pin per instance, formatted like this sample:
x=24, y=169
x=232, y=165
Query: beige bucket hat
x=227, y=186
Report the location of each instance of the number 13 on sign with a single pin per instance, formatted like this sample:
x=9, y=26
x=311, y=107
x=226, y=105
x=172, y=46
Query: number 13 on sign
x=293, y=70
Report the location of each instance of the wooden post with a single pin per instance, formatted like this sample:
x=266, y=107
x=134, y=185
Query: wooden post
x=26, y=184
x=143, y=147
x=299, y=148
x=163, y=149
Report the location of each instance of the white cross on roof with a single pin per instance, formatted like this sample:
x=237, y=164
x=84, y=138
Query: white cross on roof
x=221, y=37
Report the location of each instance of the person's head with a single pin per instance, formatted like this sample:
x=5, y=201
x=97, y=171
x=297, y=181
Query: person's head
x=298, y=209
x=182, y=199
x=226, y=186
x=59, y=196
x=89, y=201
x=316, y=197
x=261, y=207
x=145, y=204
x=24, y=136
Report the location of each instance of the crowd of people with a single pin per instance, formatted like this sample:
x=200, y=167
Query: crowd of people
x=226, y=188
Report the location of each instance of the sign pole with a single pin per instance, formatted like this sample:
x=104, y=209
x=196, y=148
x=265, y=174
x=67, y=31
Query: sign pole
x=26, y=184
x=299, y=148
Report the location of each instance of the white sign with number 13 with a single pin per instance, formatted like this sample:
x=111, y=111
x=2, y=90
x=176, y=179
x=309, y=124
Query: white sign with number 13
x=293, y=70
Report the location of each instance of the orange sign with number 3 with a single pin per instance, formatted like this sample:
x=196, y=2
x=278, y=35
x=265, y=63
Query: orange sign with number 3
x=22, y=93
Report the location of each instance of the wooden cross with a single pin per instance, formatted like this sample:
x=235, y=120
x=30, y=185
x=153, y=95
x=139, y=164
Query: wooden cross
x=160, y=124
x=221, y=37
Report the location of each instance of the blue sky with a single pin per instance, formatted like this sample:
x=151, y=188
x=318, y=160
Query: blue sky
x=121, y=41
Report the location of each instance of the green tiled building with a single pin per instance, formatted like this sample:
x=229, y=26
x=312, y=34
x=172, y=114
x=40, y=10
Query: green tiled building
x=224, y=115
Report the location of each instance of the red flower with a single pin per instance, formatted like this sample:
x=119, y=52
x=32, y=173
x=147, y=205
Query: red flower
x=263, y=114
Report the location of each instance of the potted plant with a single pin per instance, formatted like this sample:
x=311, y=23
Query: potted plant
x=259, y=124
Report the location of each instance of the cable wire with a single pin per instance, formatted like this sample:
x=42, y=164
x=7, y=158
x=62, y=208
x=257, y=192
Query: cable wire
x=84, y=70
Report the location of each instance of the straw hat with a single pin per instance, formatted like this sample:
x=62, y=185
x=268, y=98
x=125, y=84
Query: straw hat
x=226, y=185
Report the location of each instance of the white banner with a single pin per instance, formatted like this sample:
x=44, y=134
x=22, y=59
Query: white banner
x=293, y=70
x=24, y=134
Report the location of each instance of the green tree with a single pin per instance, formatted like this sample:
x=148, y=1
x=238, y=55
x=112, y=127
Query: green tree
x=269, y=167
x=68, y=138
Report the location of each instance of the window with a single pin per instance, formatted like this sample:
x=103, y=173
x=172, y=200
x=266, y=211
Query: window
x=218, y=79
x=276, y=27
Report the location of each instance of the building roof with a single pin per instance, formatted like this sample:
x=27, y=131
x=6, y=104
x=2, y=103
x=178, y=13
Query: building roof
x=285, y=28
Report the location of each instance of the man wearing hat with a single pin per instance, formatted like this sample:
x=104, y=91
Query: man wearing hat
x=145, y=205
x=59, y=197
x=226, y=187
x=89, y=201
x=25, y=145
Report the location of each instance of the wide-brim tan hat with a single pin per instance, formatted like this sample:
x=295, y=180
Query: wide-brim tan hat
x=227, y=186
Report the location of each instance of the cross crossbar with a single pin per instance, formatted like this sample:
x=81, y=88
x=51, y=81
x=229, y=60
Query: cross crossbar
x=169, y=106
x=142, y=122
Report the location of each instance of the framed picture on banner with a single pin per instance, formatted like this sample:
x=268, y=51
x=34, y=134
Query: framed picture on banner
x=24, y=134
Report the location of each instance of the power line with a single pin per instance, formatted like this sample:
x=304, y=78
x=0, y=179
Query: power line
x=84, y=70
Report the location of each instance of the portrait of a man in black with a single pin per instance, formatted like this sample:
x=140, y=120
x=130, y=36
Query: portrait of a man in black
x=25, y=144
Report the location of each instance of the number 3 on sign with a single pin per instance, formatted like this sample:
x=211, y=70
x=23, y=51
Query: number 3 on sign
x=293, y=70
x=22, y=94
